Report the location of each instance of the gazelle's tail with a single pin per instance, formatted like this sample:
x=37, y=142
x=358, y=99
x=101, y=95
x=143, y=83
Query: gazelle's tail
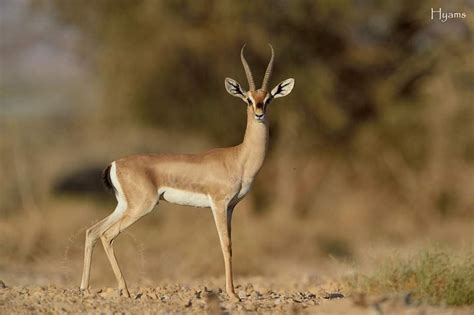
x=106, y=178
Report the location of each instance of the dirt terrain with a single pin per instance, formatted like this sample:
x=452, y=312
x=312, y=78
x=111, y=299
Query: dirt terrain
x=258, y=295
x=198, y=299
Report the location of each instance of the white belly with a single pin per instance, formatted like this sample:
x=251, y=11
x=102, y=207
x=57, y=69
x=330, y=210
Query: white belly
x=185, y=198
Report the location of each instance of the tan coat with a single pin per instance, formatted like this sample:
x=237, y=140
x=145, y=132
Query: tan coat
x=218, y=179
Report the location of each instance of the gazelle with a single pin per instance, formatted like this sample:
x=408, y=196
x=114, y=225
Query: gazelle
x=216, y=179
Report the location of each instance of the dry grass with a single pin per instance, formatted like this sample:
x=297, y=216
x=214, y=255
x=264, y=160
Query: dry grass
x=434, y=275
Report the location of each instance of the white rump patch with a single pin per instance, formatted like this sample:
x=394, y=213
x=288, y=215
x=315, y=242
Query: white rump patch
x=183, y=197
x=122, y=202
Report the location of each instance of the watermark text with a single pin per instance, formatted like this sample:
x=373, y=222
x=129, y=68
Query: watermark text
x=439, y=14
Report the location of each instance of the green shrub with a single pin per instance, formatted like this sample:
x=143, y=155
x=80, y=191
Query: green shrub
x=435, y=276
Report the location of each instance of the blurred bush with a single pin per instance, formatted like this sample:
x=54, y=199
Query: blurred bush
x=354, y=63
x=432, y=275
x=382, y=105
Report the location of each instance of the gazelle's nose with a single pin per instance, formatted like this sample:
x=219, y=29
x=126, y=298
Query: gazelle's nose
x=259, y=116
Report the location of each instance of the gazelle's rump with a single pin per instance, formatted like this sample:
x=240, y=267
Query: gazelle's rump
x=119, y=194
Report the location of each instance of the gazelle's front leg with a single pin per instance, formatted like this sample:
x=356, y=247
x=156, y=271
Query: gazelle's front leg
x=223, y=219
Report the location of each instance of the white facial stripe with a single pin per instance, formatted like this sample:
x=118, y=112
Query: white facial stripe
x=251, y=98
x=266, y=99
x=183, y=197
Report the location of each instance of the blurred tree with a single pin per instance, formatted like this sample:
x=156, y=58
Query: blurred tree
x=361, y=69
x=165, y=61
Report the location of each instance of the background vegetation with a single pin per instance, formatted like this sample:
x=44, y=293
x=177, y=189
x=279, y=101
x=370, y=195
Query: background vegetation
x=438, y=276
x=374, y=148
x=369, y=84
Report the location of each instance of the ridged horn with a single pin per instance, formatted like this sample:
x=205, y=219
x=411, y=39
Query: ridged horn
x=248, y=73
x=268, y=73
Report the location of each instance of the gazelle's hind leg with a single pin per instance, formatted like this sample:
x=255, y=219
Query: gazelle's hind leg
x=91, y=239
x=108, y=229
x=92, y=234
x=128, y=211
x=108, y=238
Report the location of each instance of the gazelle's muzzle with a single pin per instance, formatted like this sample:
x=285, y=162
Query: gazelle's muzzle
x=259, y=116
x=259, y=111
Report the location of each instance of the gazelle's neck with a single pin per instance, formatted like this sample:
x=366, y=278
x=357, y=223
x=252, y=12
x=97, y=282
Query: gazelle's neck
x=254, y=146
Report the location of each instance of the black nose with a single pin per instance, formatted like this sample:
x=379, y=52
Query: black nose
x=259, y=116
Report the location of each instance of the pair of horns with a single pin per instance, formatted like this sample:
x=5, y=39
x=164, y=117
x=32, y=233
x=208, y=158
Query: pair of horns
x=268, y=73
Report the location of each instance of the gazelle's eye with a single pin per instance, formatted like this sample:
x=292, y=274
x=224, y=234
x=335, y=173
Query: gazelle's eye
x=249, y=101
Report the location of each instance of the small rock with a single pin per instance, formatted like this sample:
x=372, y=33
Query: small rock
x=109, y=293
x=197, y=294
x=334, y=295
x=2, y=285
x=255, y=294
x=249, y=288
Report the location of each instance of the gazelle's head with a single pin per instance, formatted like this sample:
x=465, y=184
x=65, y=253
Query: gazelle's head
x=258, y=99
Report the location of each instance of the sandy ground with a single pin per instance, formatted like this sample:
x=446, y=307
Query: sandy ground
x=258, y=295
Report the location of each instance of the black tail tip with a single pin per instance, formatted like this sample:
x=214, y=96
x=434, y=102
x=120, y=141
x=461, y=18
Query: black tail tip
x=106, y=178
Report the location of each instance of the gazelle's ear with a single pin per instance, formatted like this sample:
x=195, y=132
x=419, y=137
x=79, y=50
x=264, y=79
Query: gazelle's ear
x=283, y=89
x=233, y=88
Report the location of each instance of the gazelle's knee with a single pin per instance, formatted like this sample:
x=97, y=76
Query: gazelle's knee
x=91, y=236
x=106, y=240
x=109, y=235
